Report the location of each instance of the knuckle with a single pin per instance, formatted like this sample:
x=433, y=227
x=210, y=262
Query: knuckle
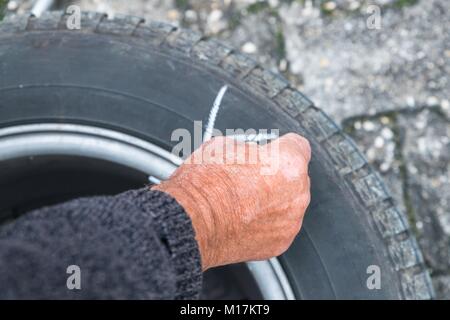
x=297, y=139
x=296, y=145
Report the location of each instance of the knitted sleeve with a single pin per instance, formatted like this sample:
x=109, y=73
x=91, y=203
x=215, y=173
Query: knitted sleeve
x=137, y=245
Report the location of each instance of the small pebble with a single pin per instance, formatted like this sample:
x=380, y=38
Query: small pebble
x=173, y=15
x=324, y=62
x=387, y=133
x=419, y=225
x=445, y=104
x=432, y=101
x=385, y=120
x=283, y=65
x=329, y=6
x=354, y=5
x=410, y=101
x=379, y=142
x=190, y=15
x=384, y=167
x=12, y=5
x=368, y=126
x=274, y=3
x=249, y=47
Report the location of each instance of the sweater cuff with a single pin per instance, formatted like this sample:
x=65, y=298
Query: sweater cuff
x=175, y=229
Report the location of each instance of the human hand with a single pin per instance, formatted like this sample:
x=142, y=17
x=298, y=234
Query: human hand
x=238, y=212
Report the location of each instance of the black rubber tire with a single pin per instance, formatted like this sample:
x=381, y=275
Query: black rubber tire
x=147, y=79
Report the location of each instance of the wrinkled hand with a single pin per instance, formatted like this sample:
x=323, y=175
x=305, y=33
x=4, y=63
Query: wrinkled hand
x=241, y=212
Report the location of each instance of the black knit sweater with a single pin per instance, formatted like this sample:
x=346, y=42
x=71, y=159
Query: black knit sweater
x=136, y=245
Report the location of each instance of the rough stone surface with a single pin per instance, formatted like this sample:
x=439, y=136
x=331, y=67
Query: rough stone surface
x=388, y=87
x=426, y=150
x=349, y=69
x=411, y=149
x=376, y=137
x=442, y=287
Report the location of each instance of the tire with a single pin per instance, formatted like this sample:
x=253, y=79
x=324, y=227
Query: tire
x=147, y=79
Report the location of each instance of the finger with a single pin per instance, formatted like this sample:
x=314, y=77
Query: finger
x=297, y=144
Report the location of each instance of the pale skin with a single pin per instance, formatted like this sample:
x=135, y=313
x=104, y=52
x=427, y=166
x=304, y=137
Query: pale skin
x=238, y=211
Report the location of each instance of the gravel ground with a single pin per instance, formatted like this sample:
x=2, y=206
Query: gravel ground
x=388, y=87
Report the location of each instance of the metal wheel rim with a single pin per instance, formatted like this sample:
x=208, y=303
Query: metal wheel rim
x=104, y=144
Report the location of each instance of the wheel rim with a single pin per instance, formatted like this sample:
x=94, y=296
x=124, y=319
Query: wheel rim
x=123, y=149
